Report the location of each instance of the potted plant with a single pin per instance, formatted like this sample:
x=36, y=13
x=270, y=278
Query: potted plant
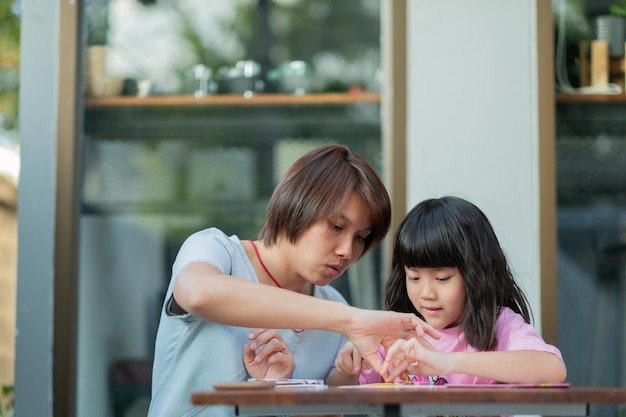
x=98, y=28
x=618, y=8
x=612, y=28
x=6, y=401
x=98, y=80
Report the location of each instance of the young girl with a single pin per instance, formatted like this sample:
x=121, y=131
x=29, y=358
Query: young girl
x=449, y=269
x=227, y=296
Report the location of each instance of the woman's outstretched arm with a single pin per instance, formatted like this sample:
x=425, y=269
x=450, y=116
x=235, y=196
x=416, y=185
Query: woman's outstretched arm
x=203, y=291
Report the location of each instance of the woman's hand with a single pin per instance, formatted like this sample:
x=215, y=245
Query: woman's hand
x=267, y=355
x=371, y=328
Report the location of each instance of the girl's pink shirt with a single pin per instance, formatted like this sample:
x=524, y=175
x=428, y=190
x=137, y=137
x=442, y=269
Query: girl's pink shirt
x=512, y=332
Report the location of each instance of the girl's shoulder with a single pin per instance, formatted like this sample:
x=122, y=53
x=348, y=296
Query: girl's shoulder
x=509, y=321
x=513, y=333
x=508, y=316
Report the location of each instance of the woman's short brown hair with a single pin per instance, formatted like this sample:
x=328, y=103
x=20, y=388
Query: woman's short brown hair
x=316, y=186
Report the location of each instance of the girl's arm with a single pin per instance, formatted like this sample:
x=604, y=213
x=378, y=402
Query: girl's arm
x=203, y=291
x=516, y=366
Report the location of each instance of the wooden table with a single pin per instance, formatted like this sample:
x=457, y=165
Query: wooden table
x=400, y=401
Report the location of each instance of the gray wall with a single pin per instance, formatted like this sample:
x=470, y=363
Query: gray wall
x=472, y=118
x=36, y=207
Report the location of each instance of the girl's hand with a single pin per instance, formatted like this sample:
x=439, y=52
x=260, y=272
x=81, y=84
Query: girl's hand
x=348, y=366
x=414, y=356
x=371, y=328
x=349, y=361
x=267, y=355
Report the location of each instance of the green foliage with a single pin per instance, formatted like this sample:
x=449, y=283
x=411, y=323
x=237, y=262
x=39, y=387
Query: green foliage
x=9, y=64
x=351, y=27
x=275, y=32
x=6, y=401
x=205, y=54
x=573, y=16
x=618, y=8
x=98, y=28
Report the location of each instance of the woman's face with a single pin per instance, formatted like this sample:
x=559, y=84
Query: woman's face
x=438, y=294
x=329, y=246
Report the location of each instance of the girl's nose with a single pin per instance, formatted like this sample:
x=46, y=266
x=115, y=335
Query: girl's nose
x=427, y=292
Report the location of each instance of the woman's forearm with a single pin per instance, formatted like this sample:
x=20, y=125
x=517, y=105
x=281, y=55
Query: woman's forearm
x=204, y=292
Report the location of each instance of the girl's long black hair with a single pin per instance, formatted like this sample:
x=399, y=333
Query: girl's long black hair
x=451, y=232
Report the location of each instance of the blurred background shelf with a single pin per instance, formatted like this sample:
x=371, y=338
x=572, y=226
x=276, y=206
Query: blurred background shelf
x=567, y=97
x=232, y=99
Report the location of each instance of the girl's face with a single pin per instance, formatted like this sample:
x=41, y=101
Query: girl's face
x=438, y=294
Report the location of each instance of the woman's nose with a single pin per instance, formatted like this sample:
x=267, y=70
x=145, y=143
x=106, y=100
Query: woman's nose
x=344, y=249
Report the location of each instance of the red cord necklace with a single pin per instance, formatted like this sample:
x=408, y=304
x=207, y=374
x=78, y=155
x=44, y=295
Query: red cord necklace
x=258, y=255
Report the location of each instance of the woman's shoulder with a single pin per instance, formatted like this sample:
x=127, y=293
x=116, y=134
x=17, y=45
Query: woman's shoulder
x=210, y=245
x=213, y=234
x=214, y=247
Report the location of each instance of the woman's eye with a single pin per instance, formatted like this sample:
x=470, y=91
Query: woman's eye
x=334, y=226
x=443, y=279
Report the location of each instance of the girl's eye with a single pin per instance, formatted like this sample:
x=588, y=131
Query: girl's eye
x=444, y=279
x=415, y=279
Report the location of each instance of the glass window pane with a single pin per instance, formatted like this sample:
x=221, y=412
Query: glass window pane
x=193, y=111
x=591, y=195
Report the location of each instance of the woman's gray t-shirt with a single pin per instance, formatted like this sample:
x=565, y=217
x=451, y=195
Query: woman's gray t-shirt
x=192, y=354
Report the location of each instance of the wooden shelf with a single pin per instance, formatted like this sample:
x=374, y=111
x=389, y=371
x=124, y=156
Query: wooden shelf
x=588, y=98
x=233, y=100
